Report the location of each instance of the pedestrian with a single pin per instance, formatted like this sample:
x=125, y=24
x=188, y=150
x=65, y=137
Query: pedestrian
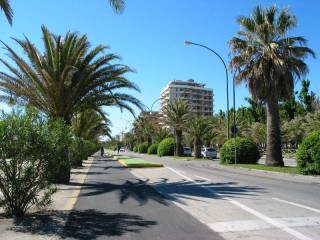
x=101, y=151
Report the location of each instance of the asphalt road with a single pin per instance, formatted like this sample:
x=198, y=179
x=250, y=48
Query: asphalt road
x=239, y=204
x=114, y=204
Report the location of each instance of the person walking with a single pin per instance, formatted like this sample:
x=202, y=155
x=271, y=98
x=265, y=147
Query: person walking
x=102, y=151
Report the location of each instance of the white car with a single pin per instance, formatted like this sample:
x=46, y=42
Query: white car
x=208, y=152
x=187, y=151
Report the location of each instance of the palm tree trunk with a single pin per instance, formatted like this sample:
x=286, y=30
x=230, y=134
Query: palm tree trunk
x=274, y=153
x=179, y=151
x=197, y=148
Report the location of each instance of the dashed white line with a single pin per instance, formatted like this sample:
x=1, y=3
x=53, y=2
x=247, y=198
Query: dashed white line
x=263, y=217
x=297, y=205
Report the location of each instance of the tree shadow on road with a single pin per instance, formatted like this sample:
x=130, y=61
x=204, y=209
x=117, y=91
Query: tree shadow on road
x=177, y=190
x=87, y=224
x=135, y=189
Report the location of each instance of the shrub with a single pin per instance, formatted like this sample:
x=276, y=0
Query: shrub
x=166, y=147
x=308, y=154
x=153, y=148
x=135, y=148
x=81, y=149
x=24, y=153
x=143, y=147
x=60, y=142
x=246, y=150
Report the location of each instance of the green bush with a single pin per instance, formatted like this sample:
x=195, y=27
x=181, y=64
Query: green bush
x=166, y=147
x=25, y=149
x=135, y=148
x=143, y=147
x=81, y=149
x=60, y=139
x=153, y=148
x=308, y=154
x=246, y=150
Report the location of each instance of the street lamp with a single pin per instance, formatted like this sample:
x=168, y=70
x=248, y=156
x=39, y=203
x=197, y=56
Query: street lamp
x=227, y=81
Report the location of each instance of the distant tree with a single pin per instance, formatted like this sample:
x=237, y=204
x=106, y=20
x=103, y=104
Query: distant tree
x=176, y=116
x=197, y=129
x=268, y=60
x=307, y=99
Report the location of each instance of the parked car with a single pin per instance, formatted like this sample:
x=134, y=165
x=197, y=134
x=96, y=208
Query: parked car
x=187, y=151
x=209, y=152
x=122, y=149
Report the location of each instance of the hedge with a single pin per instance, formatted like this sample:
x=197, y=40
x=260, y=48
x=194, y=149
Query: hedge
x=153, y=148
x=143, y=147
x=135, y=148
x=308, y=154
x=246, y=151
x=166, y=147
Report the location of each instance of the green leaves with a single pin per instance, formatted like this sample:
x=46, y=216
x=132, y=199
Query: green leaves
x=6, y=8
x=67, y=78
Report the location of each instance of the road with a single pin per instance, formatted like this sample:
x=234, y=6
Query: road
x=239, y=204
x=114, y=204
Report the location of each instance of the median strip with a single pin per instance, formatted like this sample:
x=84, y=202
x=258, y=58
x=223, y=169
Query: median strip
x=136, y=162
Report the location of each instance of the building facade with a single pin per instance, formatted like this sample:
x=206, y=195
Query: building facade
x=198, y=97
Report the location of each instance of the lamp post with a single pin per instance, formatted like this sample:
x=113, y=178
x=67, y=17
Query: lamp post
x=227, y=81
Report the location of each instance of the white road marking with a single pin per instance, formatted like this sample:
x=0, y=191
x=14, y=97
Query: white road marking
x=297, y=205
x=251, y=225
x=263, y=217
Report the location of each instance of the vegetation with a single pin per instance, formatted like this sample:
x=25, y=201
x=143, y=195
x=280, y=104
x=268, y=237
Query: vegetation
x=143, y=147
x=67, y=78
x=25, y=162
x=138, y=163
x=291, y=170
x=153, y=148
x=245, y=150
x=268, y=60
x=176, y=116
x=197, y=129
x=166, y=147
x=6, y=8
x=308, y=154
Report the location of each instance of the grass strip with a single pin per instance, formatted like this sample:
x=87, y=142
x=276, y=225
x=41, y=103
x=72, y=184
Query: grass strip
x=138, y=163
x=286, y=169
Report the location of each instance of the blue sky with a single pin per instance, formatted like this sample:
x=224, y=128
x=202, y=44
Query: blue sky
x=149, y=36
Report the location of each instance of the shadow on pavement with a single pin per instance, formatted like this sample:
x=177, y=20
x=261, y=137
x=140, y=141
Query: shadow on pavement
x=87, y=224
x=190, y=190
x=137, y=190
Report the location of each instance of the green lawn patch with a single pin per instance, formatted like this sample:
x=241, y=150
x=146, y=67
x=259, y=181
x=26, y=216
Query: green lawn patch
x=137, y=163
x=119, y=157
x=187, y=158
x=292, y=170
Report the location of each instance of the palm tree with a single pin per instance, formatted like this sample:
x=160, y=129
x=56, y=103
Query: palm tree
x=6, y=8
x=268, y=61
x=117, y=5
x=90, y=125
x=67, y=78
x=176, y=116
x=198, y=128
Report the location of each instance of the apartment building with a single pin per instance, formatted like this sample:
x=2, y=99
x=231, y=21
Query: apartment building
x=199, y=98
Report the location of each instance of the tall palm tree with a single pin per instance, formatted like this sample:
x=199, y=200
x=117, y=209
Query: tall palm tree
x=197, y=129
x=6, y=8
x=268, y=60
x=176, y=116
x=144, y=128
x=67, y=78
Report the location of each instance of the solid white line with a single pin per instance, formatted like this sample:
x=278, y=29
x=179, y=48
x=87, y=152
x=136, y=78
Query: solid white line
x=297, y=205
x=263, y=217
